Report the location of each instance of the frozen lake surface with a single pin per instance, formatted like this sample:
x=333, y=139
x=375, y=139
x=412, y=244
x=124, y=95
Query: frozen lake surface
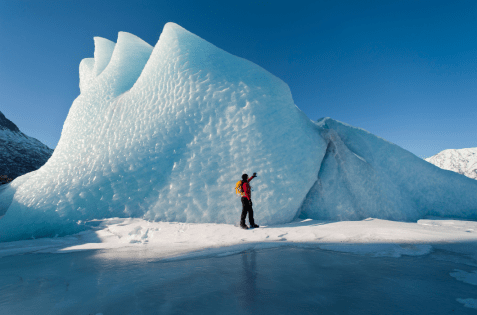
x=284, y=280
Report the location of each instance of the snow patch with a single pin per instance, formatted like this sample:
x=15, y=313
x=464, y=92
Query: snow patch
x=470, y=303
x=467, y=277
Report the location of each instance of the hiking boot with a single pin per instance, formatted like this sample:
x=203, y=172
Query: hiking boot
x=254, y=225
x=244, y=227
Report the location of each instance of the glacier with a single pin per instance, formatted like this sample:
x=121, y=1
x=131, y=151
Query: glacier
x=163, y=133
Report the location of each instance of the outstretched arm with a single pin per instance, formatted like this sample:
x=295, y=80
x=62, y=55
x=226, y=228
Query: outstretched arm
x=253, y=176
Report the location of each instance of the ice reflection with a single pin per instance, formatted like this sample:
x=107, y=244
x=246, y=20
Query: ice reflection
x=247, y=287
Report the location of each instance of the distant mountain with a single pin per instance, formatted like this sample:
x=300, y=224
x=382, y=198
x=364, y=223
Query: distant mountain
x=462, y=161
x=19, y=154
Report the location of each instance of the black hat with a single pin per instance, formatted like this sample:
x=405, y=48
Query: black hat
x=244, y=177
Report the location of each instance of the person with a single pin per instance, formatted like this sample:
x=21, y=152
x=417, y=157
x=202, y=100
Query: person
x=247, y=202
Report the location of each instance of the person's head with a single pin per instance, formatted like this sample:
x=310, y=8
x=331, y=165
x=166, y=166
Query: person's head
x=244, y=177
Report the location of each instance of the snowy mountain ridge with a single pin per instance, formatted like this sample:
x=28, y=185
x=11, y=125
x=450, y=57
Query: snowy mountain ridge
x=462, y=161
x=19, y=153
x=163, y=133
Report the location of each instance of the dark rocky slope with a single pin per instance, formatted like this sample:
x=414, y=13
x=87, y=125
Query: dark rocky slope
x=19, y=154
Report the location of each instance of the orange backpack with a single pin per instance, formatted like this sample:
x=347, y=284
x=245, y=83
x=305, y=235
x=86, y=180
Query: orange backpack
x=239, y=189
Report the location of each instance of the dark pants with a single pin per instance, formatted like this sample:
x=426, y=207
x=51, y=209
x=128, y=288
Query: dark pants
x=246, y=207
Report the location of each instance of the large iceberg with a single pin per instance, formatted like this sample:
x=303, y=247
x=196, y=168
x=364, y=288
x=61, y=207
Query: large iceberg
x=164, y=133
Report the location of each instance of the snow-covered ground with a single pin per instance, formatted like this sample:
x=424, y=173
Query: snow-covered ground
x=133, y=266
x=169, y=240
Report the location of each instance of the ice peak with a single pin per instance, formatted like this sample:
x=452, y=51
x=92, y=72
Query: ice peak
x=103, y=50
x=173, y=30
x=128, y=39
x=172, y=27
x=90, y=68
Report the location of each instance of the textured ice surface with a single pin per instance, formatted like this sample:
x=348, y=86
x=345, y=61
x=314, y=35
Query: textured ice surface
x=364, y=176
x=164, y=133
x=165, y=136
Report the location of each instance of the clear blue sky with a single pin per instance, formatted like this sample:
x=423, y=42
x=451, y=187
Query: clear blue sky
x=403, y=70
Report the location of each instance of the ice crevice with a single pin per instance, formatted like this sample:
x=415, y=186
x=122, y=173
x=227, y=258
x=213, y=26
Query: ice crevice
x=163, y=133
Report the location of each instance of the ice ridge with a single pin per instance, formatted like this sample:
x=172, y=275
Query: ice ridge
x=363, y=176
